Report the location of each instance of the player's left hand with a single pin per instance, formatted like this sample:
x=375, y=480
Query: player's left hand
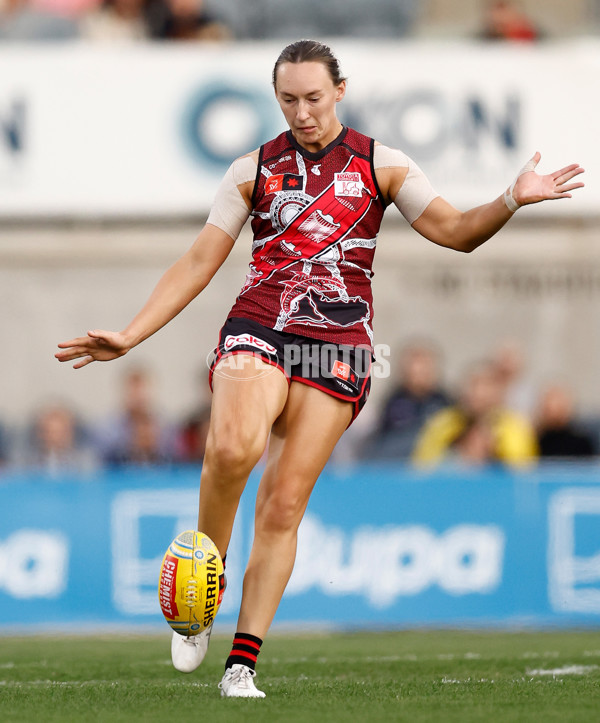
x=531, y=187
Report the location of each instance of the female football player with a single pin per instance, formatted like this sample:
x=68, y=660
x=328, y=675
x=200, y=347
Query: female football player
x=292, y=364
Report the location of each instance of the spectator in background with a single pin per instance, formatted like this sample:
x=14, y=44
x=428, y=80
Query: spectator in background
x=559, y=434
x=474, y=447
x=504, y=20
x=517, y=390
x=418, y=394
x=116, y=21
x=143, y=445
x=58, y=443
x=191, y=436
x=136, y=432
x=184, y=20
x=24, y=20
x=481, y=401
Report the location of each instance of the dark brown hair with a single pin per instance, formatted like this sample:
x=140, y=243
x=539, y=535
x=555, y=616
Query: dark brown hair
x=307, y=51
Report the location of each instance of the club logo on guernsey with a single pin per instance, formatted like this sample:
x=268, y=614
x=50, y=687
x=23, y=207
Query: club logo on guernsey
x=348, y=184
x=248, y=340
x=284, y=182
x=342, y=371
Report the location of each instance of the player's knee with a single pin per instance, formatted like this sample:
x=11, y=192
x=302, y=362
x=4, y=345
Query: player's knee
x=234, y=451
x=281, y=512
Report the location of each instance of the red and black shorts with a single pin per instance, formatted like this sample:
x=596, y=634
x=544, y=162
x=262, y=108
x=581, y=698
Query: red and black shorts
x=339, y=370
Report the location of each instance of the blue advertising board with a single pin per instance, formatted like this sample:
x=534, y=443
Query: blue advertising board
x=379, y=546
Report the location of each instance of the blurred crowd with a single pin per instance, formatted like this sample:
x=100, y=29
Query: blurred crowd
x=214, y=20
x=495, y=417
x=116, y=21
x=59, y=440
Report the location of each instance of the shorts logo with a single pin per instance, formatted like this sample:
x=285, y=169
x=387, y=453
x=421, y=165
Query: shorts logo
x=248, y=340
x=340, y=370
x=284, y=182
x=348, y=184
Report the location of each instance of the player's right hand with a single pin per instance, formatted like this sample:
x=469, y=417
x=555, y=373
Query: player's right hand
x=98, y=345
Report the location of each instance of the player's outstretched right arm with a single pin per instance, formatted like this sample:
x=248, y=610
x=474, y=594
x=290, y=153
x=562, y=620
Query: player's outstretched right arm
x=181, y=283
x=185, y=279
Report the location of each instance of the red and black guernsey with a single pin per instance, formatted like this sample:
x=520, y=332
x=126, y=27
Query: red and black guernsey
x=315, y=222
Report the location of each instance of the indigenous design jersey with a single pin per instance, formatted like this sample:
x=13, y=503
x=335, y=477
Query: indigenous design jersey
x=315, y=221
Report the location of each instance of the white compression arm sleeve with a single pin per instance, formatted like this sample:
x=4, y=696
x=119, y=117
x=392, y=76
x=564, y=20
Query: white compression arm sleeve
x=229, y=211
x=416, y=193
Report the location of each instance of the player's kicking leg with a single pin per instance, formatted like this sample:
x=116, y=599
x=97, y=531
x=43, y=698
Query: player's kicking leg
x=245, y=404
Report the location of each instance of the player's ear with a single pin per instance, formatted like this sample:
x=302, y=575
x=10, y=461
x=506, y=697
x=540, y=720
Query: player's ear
x=340, y=91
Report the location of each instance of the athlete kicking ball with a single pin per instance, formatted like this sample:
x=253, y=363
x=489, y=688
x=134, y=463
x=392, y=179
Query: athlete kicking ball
x=317, y=194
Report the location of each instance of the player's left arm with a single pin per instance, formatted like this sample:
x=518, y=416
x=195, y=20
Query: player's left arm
x=464, y=231
x=404, y=184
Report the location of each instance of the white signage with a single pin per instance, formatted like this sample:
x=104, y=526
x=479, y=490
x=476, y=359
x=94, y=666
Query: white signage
x=385, y=563
x=34, y=564
x=150, y=131
x=574, y=570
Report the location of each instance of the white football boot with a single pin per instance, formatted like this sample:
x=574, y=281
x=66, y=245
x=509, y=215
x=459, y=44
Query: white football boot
x=237, y=683
x=188, y=653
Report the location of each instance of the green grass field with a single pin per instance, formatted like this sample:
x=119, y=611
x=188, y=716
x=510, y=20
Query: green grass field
x=388, y=676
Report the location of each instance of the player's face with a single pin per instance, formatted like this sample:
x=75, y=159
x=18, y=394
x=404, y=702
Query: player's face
x=307, y=97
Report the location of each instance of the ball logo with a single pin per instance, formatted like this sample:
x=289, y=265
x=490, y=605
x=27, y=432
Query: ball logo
x=166, y=587
x=212, y=583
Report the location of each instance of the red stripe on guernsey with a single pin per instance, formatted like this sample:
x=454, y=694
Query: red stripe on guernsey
x=311, y=232
x=243, y=641
x=244, y=654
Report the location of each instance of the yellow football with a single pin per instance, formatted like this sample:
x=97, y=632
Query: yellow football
x=191, y=583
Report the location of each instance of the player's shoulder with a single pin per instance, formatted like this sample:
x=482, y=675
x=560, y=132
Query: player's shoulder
x=388, y=157
x=252, y=155
x=244, y=167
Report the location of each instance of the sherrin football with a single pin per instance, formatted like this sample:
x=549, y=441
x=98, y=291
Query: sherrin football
x=191, y=583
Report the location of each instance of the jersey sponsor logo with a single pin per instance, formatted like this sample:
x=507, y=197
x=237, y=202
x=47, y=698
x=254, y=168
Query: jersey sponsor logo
x=348, y=184
x=284, y=182
x=344, y=371
x=247, y=340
